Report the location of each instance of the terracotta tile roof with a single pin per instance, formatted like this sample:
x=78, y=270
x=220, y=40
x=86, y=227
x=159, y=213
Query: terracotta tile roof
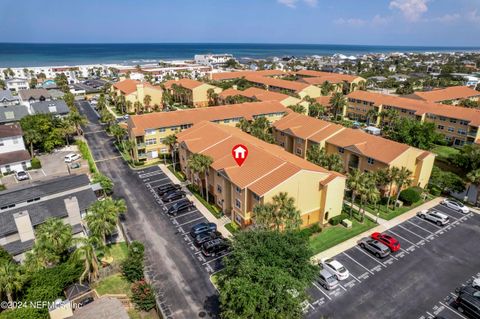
x=186, y=83
x=324, y=100
x=230, y=92
x=240, y=74
x=321, y=80
x=259, y=94
x=283, y=84
x=267, y=165
x=10, y=130
x=419, y=106
x=139, y=123
x=449, y=93
x=332, y=77
x=306, y=127
x=126, y=86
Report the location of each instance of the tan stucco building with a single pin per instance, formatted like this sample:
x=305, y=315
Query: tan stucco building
x=135, y=91
x=194, y=93
x=450, y=95
x=268, y=170
x=294, y=88
x=318, y=78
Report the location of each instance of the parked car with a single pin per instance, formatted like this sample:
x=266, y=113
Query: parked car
x=455, y=205
x=434, y=217
x=476, y=283
x=468, y=305
x=387, y=240
x=21, y=176
x=85, y=301
x=336, y=268
x=468, y=290
x=214, y=247
x=201, y=228
x=202, y=238
x=327, y=280
x=75, y=165
x=71, y=157
x=375, y=247
x=179, y=207
x=162, y=190
x=174, y=195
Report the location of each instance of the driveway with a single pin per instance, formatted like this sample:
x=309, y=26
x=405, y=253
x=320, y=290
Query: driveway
x=183, y=288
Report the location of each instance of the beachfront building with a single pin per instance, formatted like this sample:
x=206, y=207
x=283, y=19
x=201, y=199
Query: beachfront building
x=135, y=93
x=459, y=125
x=343, y=83
x=268, y=170
x=148, y=131
x=296, y=133
x=22, y=210
x=16, y=84
x=6, y=98
x=451, y=95
x=13, y=155
x=293, y=88
x=258, y=94
x=191, y=92
x=212, y=59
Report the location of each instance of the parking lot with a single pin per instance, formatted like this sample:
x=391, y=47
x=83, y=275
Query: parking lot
x=153, y=177
x=418, y=281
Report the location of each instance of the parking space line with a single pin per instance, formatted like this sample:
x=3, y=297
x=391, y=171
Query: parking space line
x=452, y=310
x=411, y=232
x=370, y=257
x=180, y=225
x=326, y=295
x=449, y=214
x=433, y=224
x=408, y=241
x=216, y=258
x=354, y=277
x=358, y=263
x=420, y=227
x=340, y=285
x=157, y=180
x=186, y=214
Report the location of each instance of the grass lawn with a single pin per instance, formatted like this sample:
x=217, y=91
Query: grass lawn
x=334, y=235
x=444, y=152
x=138, y=314
x=177, y=173
x=114, y=284
x=212, y=208
x=118, y=251
x=232, y=227
x=390, y=214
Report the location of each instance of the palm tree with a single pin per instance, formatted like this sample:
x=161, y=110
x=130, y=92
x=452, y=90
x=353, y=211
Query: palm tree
x=77, y=121
x=287, y=214
x=128, y=107
x=86, y=253
x=102, y=217
x=338, y=102
x=244, y=125
x=327, y=88
x=368, y=194
x=31, y=137
x=53, y=238
x=474, y=178
x=11, y=279
x=147, y=100
x=264, y=215
x=392, y=176
x=371, y=114
x=199, y=164
x=171, y=142
x=355, y=184
x=404, y=178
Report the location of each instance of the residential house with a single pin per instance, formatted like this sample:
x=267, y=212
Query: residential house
x=136, y=91
x=296, y=133
x=23, y=210
x=294, y=88
x=450, y=95
x=33, y=95
x=6, y=98
x=191, y=92
x=12, y=113
x=459, y=125
x=16, y=84
x=268, y=170
x=57, y=108
x=147, y=131
x=13, y=155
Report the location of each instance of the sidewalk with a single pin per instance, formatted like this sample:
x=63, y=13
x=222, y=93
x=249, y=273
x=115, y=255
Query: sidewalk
x=385, y=225
x=205, y=212
x=379, y=220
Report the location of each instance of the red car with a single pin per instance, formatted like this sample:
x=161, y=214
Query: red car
x=388, y=240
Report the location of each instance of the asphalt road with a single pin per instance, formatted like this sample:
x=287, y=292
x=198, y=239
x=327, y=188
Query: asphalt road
x=417, y=283
x=183, y=288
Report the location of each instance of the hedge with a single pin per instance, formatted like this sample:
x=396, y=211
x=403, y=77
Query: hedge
x=36, y=163
x=334, y=221
x=85, y=151
x=410, y=196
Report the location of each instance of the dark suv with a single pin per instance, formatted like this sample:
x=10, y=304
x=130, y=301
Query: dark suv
x=202, y=228
x=214, y=247
x=180, y=207
x=162, y=190
x=202, y=238
x=468, y=305
x=173, y=195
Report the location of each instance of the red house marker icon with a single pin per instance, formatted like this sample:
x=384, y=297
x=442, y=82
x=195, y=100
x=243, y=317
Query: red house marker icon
x=239, y=153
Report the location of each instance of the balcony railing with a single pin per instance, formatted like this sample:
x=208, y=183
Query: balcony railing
x=472, y=133
x=141, y=145
x=142, y=155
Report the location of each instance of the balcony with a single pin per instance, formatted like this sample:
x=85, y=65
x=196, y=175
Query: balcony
x=472, y=133
x=142, y=155
x=141, y=145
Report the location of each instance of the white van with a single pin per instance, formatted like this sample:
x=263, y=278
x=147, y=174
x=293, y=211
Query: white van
x=71, y=157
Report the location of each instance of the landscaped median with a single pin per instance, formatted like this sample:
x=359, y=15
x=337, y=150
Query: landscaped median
x=86, y=154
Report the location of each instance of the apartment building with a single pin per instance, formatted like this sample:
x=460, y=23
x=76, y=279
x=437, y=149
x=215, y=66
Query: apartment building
x=268, y=170
x=147, y=131
x=450, y=95
x=318, y=78
x=294, y=88
x=191, y=92
x=23, y=210
x=459, y=125
x=296, y=133
x=13, y=155
x=17, y=84
x=257, y=94
x=136, y=91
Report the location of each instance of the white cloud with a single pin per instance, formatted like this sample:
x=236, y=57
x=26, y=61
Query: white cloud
x=293, y=3
x=473, y=16
x=376, y=21
x=448, y=18
x=411, y=9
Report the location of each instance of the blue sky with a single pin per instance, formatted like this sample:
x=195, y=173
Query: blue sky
x=387, y=22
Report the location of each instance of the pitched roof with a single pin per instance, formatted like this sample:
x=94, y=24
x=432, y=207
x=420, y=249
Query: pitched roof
x=14, y=157
x=185, y=83
x=12, y=113
x=34, y=94
x=139, y=123
x=50, y=107
x=240, y=74
x=102, y=308
x=6, y=96
x=420, y=107
x=267, y=165
x=307, y=127
x=449, y=93
x=259, y=94
x=324, y=100
x=10, y=130
x=126, y=86
x=283, y=84
x=331, y=77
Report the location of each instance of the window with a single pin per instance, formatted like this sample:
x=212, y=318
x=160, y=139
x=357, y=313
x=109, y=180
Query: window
x=463, y=122
x=226, y=121
x=281, y=144
x=451, y=129
x=298, y=151
x=238, y=189
x=256, y=197
x=162, y=130
x=151, y=141
x=440, y=127
x=218, y=174
x=219, y=189
x=282, y=134
x=370, y=161
x=299, y=140
x=462, y=131
x=163, y=150
x=341, y=150
x=453, y=121
x=150, y=132
x=442, y=118
x=238, y=203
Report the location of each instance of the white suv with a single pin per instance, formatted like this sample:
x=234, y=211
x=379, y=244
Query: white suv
x=453, y=204
x=434, y=216
x=335, y=268
x=71, y=157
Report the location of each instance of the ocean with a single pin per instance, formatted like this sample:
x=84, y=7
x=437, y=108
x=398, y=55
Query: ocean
x=30, y=54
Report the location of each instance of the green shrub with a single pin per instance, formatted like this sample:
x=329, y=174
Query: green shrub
x=410, y=196
x=2, y=187
x=132, y=266
x=85, y=151
x=25, y=313
x=334, y=221
x=435, y=191
x=311, y=230
x=36, y=163
x=142, y=295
